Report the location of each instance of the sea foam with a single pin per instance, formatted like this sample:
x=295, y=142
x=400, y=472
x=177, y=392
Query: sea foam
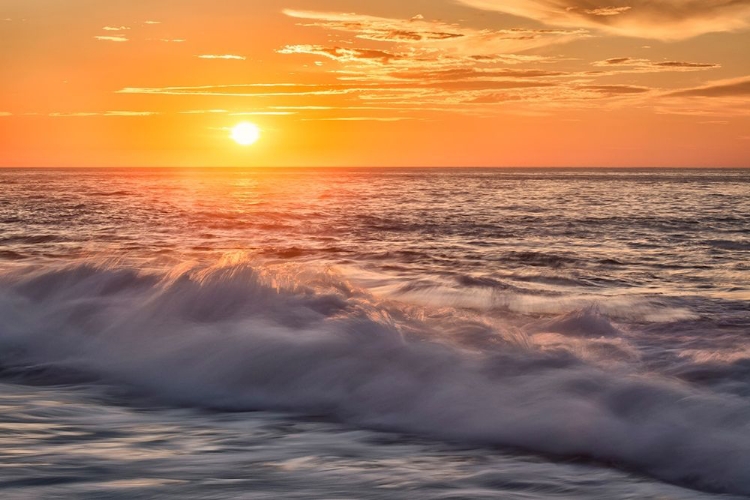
x=248, y=336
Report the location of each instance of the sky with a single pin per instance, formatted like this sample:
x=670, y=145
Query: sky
x=612, y=83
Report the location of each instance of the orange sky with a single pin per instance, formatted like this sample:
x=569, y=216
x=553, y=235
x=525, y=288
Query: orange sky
x=387, y=82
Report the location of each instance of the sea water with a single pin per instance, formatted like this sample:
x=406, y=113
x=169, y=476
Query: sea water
x=374, y=333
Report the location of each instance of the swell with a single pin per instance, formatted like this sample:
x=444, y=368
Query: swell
x=246, y=336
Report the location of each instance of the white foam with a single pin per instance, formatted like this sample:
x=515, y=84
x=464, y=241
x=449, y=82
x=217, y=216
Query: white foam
x=247, y=336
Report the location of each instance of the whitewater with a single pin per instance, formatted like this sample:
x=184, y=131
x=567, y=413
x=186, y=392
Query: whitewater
x=374, y=333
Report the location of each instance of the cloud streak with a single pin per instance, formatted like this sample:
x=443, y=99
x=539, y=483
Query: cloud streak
x=118, y=39
x=442, y=66
x=421, y=35
x=721, y=98
x=228, y=57
x=245, y=90
x=360, y=119
x=636, y=65
x=658, y=19
x=736, y=87
x=104, y=113
x=433, y=55
x=342, y=54
x=387, y=69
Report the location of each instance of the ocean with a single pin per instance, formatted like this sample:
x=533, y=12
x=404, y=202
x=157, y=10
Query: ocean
x=374, y=333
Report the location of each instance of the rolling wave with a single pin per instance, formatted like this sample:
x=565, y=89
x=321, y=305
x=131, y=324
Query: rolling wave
x=242, y=335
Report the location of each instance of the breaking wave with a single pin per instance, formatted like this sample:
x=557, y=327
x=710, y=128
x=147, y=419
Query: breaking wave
x=243, y=335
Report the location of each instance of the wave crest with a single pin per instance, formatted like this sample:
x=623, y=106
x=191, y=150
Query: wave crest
x=246, y=336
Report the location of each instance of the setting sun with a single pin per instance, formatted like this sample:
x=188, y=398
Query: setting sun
x=246, y=134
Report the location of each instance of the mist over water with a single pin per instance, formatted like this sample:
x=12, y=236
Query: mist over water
x=375, y=333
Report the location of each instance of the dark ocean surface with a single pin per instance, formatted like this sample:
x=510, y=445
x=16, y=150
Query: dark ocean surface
x=375, y=334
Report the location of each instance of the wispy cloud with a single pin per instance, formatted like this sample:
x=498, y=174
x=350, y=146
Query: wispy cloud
x=271, y=112
x=608, y=11
x=444, y=66
x=245, y=90
x=135, y=114
x=612, y=90
x=263, y=113
x=735, y=87
x=360, y=119
x=426, y=36
x=721, y=98
x=430, y=54
x=81, y=114
x=659, y=19
x=118, y=34
x=380, y=28
x=222, y=56
x=637, y=65
x=132, y=113
x=5, y=113
x=386, y=69
x=111, y=38
x=449, y=67
x=341, y=54
x=203, y=111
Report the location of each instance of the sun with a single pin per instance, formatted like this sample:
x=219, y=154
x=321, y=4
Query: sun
x=246, y=134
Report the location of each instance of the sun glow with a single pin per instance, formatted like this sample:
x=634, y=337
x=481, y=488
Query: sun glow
x=246, y=134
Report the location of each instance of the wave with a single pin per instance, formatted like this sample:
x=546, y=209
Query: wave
x=11, y=255
x=248, y=336
x=529, y=301
x=107, y=194
x=739, y=245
